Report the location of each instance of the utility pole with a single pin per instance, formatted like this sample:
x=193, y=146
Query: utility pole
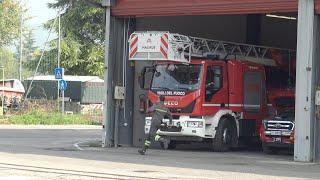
x=21, y=43
x=2, y=98
x=59, y=52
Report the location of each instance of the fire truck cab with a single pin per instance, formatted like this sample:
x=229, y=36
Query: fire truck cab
x=210, y=99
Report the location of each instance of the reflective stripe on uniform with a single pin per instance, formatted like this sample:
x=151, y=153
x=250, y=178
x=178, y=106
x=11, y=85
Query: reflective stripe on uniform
x=161, y=110
x=147, y=143
x=157, y=137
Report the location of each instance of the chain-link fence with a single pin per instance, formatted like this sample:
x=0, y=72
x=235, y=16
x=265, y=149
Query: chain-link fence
x=48, y=112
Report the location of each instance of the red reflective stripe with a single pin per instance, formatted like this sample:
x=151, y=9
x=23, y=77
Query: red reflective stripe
x=134, y=42
x=133, y=52
x=163, y=52
x=164, y=42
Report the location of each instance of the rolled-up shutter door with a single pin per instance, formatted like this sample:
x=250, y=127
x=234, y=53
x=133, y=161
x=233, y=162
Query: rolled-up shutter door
x=317, y=6
x=144, y=8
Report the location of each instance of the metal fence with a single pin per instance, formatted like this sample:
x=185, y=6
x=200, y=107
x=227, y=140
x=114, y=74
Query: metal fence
x=75, y=113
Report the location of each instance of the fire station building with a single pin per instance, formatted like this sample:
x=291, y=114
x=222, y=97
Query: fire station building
x=290, y=24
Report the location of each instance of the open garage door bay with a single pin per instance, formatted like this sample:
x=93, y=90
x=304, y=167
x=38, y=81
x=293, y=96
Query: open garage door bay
x=271, y=23
x=142, y=8
x=240, y=27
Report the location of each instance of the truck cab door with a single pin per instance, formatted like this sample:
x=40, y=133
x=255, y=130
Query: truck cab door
x=215, y=89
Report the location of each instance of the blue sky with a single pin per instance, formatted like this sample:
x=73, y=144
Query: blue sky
x=40, y=12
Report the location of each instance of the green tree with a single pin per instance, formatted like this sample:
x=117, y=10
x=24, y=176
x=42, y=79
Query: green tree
x=10, y=64
x=82, y=25
x=28, y=50
x=9, y=33
x=47, y=65
x=28, y=45
x=9, y=21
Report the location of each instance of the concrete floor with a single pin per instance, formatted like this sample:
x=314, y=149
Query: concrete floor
x=57, y=153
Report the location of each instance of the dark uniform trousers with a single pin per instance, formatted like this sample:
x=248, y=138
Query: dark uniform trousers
x=159, y=112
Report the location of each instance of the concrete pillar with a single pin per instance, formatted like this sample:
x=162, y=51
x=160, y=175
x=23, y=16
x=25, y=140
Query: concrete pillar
x=113, y=77
x=117, y=123
x=107, y=135
x=305, y=83
x=123, y=76
x=317, y=86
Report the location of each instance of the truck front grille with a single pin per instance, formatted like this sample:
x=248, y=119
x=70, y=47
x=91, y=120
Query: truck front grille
x=279, y=125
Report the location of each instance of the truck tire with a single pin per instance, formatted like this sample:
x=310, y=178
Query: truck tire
x=226, y=135
x=269, y=150
x=171, y=145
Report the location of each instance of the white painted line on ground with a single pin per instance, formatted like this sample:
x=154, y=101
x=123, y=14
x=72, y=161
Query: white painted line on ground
x=14, y=178
x=76, y=145
x=50, y=127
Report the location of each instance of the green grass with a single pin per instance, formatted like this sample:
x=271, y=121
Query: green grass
x=47, y=118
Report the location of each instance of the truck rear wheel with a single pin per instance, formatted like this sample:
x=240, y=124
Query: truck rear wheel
x=226, y=134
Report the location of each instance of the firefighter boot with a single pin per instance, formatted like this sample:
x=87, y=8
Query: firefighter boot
x=163, y=141
x=142, y=151
x=145, y=147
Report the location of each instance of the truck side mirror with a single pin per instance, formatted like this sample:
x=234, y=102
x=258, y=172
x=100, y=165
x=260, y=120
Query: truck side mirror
x=141, y=80
x=145, y=77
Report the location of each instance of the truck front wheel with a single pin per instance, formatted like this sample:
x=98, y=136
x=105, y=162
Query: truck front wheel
x=226, y=134
x=171, y=145
x=269, y=150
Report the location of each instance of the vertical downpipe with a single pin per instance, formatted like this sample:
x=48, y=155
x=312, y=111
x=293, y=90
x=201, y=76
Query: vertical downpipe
x=116, y=124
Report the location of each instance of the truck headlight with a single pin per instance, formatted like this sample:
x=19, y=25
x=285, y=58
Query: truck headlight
x=286, y=133
x=264, y=122
x=195, y=124
x=267, y=132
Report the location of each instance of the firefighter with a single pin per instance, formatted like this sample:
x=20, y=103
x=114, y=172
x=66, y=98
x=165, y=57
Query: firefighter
x=159, y=111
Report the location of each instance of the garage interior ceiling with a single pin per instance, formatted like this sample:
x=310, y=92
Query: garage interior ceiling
x=273, y=32
x=144, y=8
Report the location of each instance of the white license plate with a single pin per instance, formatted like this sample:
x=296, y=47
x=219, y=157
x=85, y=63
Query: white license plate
x=193, y=124
x=275, y=133
x=277, y=139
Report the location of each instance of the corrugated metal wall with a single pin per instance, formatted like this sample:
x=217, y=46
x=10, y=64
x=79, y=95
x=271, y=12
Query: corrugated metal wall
x=142, y=8
x=42, y=89
x=92, y=92
x=77, y=91
x=48, y=90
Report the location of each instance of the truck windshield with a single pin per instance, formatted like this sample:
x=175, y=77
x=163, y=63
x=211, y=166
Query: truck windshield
x=176, y=77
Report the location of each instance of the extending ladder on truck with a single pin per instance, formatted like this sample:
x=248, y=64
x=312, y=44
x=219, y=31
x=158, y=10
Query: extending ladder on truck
x=156, y=45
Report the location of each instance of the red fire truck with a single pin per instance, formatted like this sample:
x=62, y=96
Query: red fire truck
x=215, y=90
x=277, y=131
